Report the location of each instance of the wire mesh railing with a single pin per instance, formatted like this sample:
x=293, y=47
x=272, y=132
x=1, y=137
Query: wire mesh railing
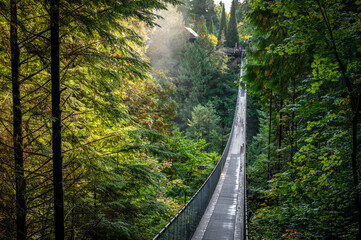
x=185, y=222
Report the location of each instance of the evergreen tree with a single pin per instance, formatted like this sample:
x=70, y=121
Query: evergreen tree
x=206, y=122
x=223, y=25
x=232, y=38
x=242, y=10
x=203, y=8
x=202, y=27
x=205, y=77
x=96, y=64
x=196, y=73
x=211, y=27
x=210, y=14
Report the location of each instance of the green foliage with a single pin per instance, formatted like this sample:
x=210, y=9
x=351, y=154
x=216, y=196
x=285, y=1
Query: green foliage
x=223, y=27
x=189, y=167
x=205, y=77
x=300, y=66
x=242, y=10
x=115, y=121
x=244, y=29
x=206, y=123
x=202, y=27
x=203, y=8
x=211, y=27
x=195, y=72
x=232, y=38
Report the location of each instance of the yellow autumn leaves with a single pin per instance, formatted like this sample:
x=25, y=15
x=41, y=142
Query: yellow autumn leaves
x=243, y=32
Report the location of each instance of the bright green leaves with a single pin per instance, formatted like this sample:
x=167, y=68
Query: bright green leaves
x=197, y=78
x=307, y=54
x=206, y=123
x=310, y=124
x=189, y=166
x=325, y=68
x=330, y=161
x=315, y=87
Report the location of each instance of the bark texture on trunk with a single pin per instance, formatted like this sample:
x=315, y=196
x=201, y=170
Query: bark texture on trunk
x=354, y=168
x=20, y=183
x=280, y=136
x=269, y=139
x=56, y=126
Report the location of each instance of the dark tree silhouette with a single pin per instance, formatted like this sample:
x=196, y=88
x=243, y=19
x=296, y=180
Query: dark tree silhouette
x=17, y=125
x=223, y=25
x=232, y=33
x=56, y=120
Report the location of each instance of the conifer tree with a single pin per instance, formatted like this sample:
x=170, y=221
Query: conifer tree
x=210, y=14
x=202, y=27
x=211, y=27
x=223, y=25
x=232, y=34
x=198, y=9
x=105, y=91
x=203, y=8
x=206, y=122
x=195, y=73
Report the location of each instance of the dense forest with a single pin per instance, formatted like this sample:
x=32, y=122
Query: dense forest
x=303, y=166
x=111, y=118
x=106, y=126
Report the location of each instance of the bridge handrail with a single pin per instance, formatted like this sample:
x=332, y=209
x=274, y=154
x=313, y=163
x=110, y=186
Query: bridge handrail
x=184, y=223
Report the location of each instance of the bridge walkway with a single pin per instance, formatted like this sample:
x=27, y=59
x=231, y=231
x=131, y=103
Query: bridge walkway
x=218, y=210
x=224, y=217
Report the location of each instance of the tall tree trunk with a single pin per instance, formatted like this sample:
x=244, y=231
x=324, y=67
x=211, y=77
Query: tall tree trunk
x=293, y=121
x=269, y=138
x=354, y=168
x=95, y=214
x=280, y=137
x=56, y=127
x=20, y=183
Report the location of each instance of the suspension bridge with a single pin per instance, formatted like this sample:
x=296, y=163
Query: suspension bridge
x=218, y=210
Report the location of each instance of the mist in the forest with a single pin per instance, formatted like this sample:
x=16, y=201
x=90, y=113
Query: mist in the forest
x=167, y=41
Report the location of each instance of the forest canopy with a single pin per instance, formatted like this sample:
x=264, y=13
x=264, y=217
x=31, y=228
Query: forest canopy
x=304, y=67
x=93, y=141
x=111, y=117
